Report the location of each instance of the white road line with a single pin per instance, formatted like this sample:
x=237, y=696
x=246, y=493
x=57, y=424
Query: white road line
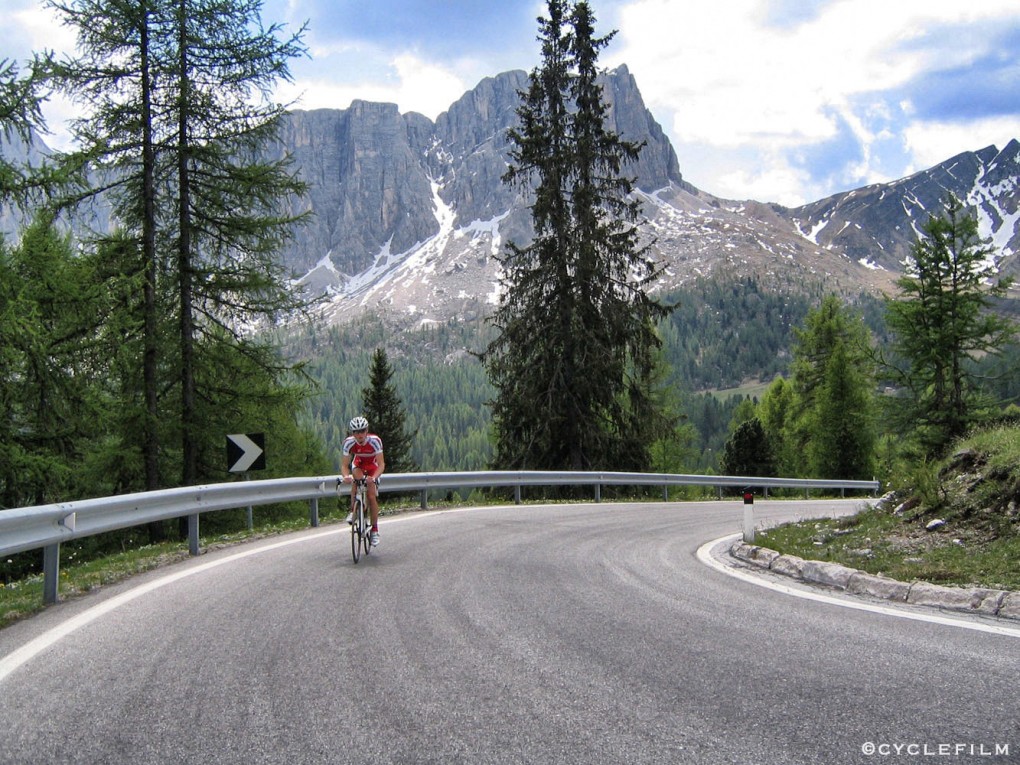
x=706, y=557
x=28, y=651
x=34, y=647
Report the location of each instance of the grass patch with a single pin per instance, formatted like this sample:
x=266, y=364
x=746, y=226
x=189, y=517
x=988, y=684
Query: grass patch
x=974, y=492
x=878, y=542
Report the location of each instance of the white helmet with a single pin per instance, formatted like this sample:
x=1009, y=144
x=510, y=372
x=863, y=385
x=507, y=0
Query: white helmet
x=359, y=423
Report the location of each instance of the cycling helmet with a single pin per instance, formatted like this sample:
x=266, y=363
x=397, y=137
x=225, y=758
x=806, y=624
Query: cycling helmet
x=359, y=423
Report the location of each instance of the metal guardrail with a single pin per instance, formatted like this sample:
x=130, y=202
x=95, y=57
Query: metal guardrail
x=48, y=526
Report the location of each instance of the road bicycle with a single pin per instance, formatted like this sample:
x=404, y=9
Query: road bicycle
x=361, y=524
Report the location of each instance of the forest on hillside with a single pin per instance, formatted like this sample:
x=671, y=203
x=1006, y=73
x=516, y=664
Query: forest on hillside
x=724, y=336
x=726, y=340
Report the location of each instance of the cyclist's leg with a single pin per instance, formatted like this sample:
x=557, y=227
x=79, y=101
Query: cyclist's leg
x=373, y=502
x=356, y=473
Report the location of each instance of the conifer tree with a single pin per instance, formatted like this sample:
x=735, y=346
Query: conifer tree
x=843, y=431
x=572, y=363
x=943, y=319
x=49, y=308
x=180, y=110
x=830, y=335
x=775, y=410
x=748, y=452
x=21, y=97
x=385, y=413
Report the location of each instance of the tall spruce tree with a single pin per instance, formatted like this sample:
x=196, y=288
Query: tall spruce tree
x=843, y=428
x=942, y=319
x=748, y=451
x=573, y=360
x=385, y=412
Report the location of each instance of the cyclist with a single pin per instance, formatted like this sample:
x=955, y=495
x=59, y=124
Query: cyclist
x=363, y=455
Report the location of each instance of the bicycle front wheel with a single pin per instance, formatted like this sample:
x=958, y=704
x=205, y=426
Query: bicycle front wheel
x=366, y=533
x=356, y=522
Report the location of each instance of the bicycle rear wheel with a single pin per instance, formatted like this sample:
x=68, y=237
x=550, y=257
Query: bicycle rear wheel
x=356, y=534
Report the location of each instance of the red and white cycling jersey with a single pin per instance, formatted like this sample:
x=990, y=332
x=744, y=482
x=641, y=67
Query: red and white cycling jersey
x=363, y=455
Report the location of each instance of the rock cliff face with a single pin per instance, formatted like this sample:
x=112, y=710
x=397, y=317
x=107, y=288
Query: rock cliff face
x=410, y=213
x=367, y=185
x=380, y=181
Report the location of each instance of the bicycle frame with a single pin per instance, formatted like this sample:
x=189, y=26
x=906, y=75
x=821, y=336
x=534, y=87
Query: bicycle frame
x=361, y=526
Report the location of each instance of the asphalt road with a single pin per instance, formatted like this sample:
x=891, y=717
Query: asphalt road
x=557, y=634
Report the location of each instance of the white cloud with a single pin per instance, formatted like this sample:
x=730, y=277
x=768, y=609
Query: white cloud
x=410, y=82
x=934, y=142
x=36, y=28
x=723, y=76
x=777, y=181
x=426, y=87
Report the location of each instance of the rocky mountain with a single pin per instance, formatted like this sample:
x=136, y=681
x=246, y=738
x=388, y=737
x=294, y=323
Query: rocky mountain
x=878, y=224
x=409, y=213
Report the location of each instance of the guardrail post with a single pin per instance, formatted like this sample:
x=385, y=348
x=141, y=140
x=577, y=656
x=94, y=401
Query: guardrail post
x=598, y=492
x=517, y=494
x=665, y=492
x=313, y=508
x=193, y=534
x=251, y=512
x=51, y=573
x=748, y=516
x=424, y=499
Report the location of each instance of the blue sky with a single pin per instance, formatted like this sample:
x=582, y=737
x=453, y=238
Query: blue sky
x=775, y=100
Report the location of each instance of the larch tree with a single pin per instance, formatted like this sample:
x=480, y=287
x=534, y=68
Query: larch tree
x=942, y=319
x=843, y=436
x=179, y=115
x=831, y=335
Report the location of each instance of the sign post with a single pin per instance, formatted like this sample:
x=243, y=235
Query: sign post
x=246, y=451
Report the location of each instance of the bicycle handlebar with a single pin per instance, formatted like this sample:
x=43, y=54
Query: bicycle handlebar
x=358, y=481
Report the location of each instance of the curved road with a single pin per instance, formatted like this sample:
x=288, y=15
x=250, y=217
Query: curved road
x=555, y=634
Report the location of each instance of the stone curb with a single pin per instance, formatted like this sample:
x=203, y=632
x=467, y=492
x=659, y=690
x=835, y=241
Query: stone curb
x=975, y=600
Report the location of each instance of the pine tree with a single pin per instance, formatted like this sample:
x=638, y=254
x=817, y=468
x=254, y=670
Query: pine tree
x=775, y=410
x=572, y=363
x=942, y=319
x=385, y=413
x=50, y=304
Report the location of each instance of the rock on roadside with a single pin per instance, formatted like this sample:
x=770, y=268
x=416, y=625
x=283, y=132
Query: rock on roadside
x=976, y=600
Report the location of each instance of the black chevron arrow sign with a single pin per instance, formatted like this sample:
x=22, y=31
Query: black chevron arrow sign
x=246, y=451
